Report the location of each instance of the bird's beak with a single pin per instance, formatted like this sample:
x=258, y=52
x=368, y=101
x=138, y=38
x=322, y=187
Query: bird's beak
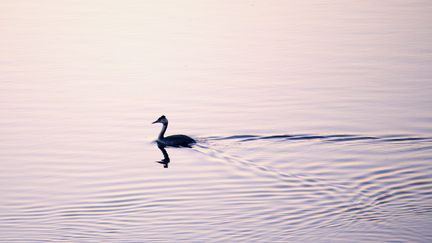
x=155, y=122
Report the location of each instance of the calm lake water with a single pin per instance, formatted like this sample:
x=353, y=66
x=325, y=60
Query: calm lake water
x=314, y=121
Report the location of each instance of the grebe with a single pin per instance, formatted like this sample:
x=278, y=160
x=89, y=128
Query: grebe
x=174, y=140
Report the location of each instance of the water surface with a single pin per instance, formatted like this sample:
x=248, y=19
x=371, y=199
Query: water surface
x=313, y=120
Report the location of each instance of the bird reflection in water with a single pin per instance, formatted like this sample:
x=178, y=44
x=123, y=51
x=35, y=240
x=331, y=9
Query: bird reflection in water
x=166, y=160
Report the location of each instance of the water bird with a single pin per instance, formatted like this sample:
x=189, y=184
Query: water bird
x=173, y=140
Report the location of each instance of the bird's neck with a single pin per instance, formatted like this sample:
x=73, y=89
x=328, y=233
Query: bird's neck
x=162, y=133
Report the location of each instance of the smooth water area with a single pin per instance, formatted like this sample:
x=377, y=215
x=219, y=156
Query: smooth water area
x=313, y=121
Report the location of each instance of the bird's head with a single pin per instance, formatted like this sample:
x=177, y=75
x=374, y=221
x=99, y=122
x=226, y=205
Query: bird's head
x=162, y=120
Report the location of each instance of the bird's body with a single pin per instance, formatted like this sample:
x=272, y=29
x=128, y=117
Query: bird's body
x=177, y=141
x=173, y=140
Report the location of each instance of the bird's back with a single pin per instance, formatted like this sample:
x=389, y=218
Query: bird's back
x=177, y=141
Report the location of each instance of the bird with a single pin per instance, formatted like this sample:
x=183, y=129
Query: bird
x=173, y=140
